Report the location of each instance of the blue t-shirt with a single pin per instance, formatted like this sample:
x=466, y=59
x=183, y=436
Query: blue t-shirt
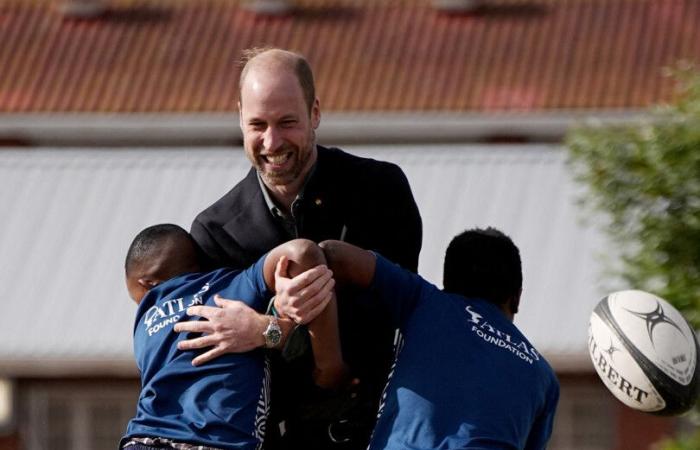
x=465, y=377
x=223, y=403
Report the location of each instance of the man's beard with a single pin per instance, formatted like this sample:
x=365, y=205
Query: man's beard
x=274, y=178
x=294, y=172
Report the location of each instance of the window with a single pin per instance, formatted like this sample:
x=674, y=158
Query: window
x=76, y=415
x=585, y=417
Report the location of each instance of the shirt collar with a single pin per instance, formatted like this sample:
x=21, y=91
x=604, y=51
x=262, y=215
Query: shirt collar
x=270, y=202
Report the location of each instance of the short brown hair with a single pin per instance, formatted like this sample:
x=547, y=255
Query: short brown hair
x=299, y=64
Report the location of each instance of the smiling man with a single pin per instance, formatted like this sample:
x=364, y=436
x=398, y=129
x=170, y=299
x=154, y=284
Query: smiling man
x=297, y=189
x=279, y=115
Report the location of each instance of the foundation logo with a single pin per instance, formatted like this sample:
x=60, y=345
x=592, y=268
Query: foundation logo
x=492, y=335
x=170, y=311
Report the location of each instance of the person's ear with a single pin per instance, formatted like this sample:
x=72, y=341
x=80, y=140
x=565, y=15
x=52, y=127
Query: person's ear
x=147, y=282
x=515, y=302
x=316, y=114
x=138, y=287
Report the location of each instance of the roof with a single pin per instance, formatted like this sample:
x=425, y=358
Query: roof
x=179, y=56
x=70, y=214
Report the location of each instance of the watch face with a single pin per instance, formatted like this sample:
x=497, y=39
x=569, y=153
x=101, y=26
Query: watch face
x=273, y=334
x=273, y=337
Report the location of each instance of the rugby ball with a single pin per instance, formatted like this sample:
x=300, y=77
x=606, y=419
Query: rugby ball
x=645, y=352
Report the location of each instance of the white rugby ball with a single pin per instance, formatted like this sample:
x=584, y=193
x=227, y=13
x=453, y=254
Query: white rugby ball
x=645, y=352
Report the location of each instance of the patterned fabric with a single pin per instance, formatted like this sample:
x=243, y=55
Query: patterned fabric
x=164, y=443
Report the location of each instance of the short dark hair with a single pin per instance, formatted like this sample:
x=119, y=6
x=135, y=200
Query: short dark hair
x=150, y=241
x=301, y=67
x=483, y=264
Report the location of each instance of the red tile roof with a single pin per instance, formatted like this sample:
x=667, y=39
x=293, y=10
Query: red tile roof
x=175, y=56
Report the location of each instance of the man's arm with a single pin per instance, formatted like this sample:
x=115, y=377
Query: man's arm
x=235, y=327
x=400, y=221
x=389, y=216
x=230, y=327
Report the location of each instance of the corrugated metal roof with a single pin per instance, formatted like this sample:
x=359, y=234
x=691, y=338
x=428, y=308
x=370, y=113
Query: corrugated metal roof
x=171, y=56
x=69, y=216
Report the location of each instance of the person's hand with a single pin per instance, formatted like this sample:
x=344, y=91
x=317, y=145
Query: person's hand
x=303, y=297
x=233, y=327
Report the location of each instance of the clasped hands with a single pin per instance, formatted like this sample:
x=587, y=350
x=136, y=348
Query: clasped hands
x=234, y=327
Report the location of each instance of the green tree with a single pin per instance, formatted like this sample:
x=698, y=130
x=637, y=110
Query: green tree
x=687, y=443
x=645, y=177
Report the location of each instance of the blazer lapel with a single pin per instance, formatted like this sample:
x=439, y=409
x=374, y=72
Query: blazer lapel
x=323, y=213
x=252, y=225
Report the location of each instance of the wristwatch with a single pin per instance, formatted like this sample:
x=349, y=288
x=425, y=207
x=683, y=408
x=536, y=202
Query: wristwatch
x=273, y=333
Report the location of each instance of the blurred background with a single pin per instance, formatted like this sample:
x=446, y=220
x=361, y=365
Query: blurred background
x=119, y=114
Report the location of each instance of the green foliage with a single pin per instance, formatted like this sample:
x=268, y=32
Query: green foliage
x=646, y=178
x=689, y=442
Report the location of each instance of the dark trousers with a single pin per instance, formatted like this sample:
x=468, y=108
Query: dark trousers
x=340, y=435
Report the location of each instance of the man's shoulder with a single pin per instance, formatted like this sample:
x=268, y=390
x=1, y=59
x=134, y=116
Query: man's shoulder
x=337, y=164
x=240, y=195
x=334, y=156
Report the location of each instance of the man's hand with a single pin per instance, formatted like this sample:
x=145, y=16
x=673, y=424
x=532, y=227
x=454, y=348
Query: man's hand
x=303, y=297
x=233, y=327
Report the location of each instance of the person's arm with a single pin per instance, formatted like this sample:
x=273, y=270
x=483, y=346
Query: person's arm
x=234, y=327
x=350, y=264
x=397, y=288
x=294, y=259
x=230, y=327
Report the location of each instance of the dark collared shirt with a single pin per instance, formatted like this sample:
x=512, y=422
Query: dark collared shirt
x=289, y=222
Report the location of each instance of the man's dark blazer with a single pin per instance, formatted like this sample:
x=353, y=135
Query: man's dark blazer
x=371, y=199
x=367, y=202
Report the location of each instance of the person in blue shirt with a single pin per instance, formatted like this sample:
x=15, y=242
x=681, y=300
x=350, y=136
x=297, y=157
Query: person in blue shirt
x=464, y=376
x=223, y=404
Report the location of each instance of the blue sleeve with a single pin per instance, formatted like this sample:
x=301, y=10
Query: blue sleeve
x=252, y=282
x=397, y=289
x=542, y=428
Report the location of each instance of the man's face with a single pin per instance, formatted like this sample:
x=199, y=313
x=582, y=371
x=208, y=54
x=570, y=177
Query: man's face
x=278, y=131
